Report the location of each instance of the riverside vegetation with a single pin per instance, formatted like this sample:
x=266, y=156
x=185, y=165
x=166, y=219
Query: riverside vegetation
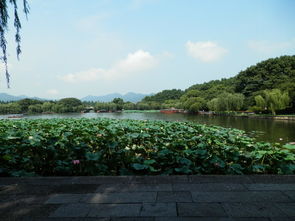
x=131, y=147
x=265, y=88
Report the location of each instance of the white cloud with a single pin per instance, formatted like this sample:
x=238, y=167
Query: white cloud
x=267, y=47
x=52, y=92
x=134, y=63
x=205, y=51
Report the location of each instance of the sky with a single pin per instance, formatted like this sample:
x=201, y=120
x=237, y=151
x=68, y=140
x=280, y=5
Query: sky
x=75, y=48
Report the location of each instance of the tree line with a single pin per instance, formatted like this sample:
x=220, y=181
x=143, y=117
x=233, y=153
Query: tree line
x=267, y=87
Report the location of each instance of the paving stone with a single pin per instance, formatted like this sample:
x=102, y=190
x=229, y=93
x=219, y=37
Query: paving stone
x=113, y=210
x=101, y=179
x=171, y=197
x=74, y=188
x=254, y=196
x=268, y=179
x=133, y=187
x=71, y=210
x=191, y=219
x=66, y=219
x=201, y=209
x=32, y=211
x=9, y=189
x=280, y=187
x=208, y=219
x=288, y=208
x=26, y=189
x=160, y=179
x=32, y=181
x=158, y=209
x=132, y=219
x=281, y=219
x=253, y=210
x=290, y=194
x=10, y=180
x=125, y=197
x=208, y=187
x=64, y=198
x=25, y=199
x=219, y=179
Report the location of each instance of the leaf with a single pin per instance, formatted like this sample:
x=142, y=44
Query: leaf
x=149, y=162
x=93, y=156
x=7, y=157
x=183, y=170
x=289, y=146
x=138, y=166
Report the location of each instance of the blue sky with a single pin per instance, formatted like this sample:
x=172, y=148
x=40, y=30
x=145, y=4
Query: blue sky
x=75, y=48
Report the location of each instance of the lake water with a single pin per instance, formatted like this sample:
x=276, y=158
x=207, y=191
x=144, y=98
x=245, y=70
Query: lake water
x=268, y=129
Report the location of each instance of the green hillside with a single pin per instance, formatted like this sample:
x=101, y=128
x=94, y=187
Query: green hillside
x=273, y=80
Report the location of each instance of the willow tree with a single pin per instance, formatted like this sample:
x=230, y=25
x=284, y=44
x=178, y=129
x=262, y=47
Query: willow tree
x=273, y=100
x=4, y=18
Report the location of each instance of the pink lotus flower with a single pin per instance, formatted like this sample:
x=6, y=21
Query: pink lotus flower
x=76, y=162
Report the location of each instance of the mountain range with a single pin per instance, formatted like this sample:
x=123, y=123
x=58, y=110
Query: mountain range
x=131, y=96
x=7, y=97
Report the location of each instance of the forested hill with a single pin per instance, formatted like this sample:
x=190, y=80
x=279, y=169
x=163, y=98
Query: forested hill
x=272, y=73
x=258, y=80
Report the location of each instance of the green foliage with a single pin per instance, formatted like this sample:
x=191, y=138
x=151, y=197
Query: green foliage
x=227, y=102
x=120, y=147
x=25, y=103
x=164, y=95
x=119, y=103
x=266, y=75
x=260, y=103
x=273, y=100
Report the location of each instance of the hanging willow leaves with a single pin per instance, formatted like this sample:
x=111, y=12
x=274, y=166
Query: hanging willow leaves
x=4, y=17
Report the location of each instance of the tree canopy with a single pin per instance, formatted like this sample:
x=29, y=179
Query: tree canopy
x=4, y=18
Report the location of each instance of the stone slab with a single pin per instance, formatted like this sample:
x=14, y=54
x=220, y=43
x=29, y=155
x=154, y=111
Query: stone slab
x=113, y=210
x=133, y=187
x=101, y=179
x=172, y=196
x=201, y=209
x=20, y=211
x=160, y=179
x=158, y=209
x=290, y=194
x=264, y=187
x=208, y=187
x=132, y=219
x=208, y=219
x=125, y=197
x=64, y=198
x=71, y=210
x=253, y=210
x=287, y=208
x=245, y=196
x=275, y=179
x=219, y=179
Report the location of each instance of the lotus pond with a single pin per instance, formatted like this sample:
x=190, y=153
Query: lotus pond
x=47, y=147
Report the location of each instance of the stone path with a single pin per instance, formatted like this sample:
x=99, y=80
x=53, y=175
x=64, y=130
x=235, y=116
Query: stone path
x=148, y=198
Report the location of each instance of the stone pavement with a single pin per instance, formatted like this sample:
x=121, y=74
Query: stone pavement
x=149, y=198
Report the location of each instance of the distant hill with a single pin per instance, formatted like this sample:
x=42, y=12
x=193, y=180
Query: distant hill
x=132, y=97
x=4, y=97
x=7, y=97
